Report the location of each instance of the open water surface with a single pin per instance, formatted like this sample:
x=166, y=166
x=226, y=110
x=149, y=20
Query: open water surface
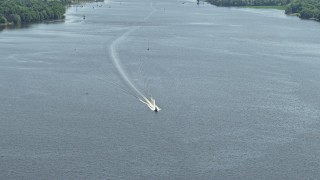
x=238, y=88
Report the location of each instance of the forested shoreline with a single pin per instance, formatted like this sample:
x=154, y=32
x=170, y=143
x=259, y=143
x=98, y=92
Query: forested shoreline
x=249, y=2
x=26, y=11
x=305, y=9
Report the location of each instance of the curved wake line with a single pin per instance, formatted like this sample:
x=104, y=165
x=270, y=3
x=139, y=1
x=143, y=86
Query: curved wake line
x=117, y=61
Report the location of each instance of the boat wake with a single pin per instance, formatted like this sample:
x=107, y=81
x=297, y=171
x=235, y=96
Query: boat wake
x=150, y=102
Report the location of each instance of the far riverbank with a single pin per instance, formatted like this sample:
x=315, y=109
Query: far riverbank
x=304, y=9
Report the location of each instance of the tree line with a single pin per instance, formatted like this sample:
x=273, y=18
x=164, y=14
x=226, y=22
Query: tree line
x=17, y=11
x=305, y=9
x=249, y=2
x=24, y=11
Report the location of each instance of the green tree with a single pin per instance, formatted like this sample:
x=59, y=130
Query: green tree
x=15, y=18
x=306, y=13
x=3, y=20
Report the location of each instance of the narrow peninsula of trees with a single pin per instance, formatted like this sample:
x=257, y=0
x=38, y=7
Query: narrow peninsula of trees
x=305, y=9
x=17, y=11
x=25, y=11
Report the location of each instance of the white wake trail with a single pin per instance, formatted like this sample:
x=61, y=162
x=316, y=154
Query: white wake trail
x=117, y=61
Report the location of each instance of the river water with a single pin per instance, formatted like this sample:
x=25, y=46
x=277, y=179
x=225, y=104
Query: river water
x=238, y=89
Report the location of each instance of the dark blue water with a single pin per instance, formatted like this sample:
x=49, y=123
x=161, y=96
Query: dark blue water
x=238, y=88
